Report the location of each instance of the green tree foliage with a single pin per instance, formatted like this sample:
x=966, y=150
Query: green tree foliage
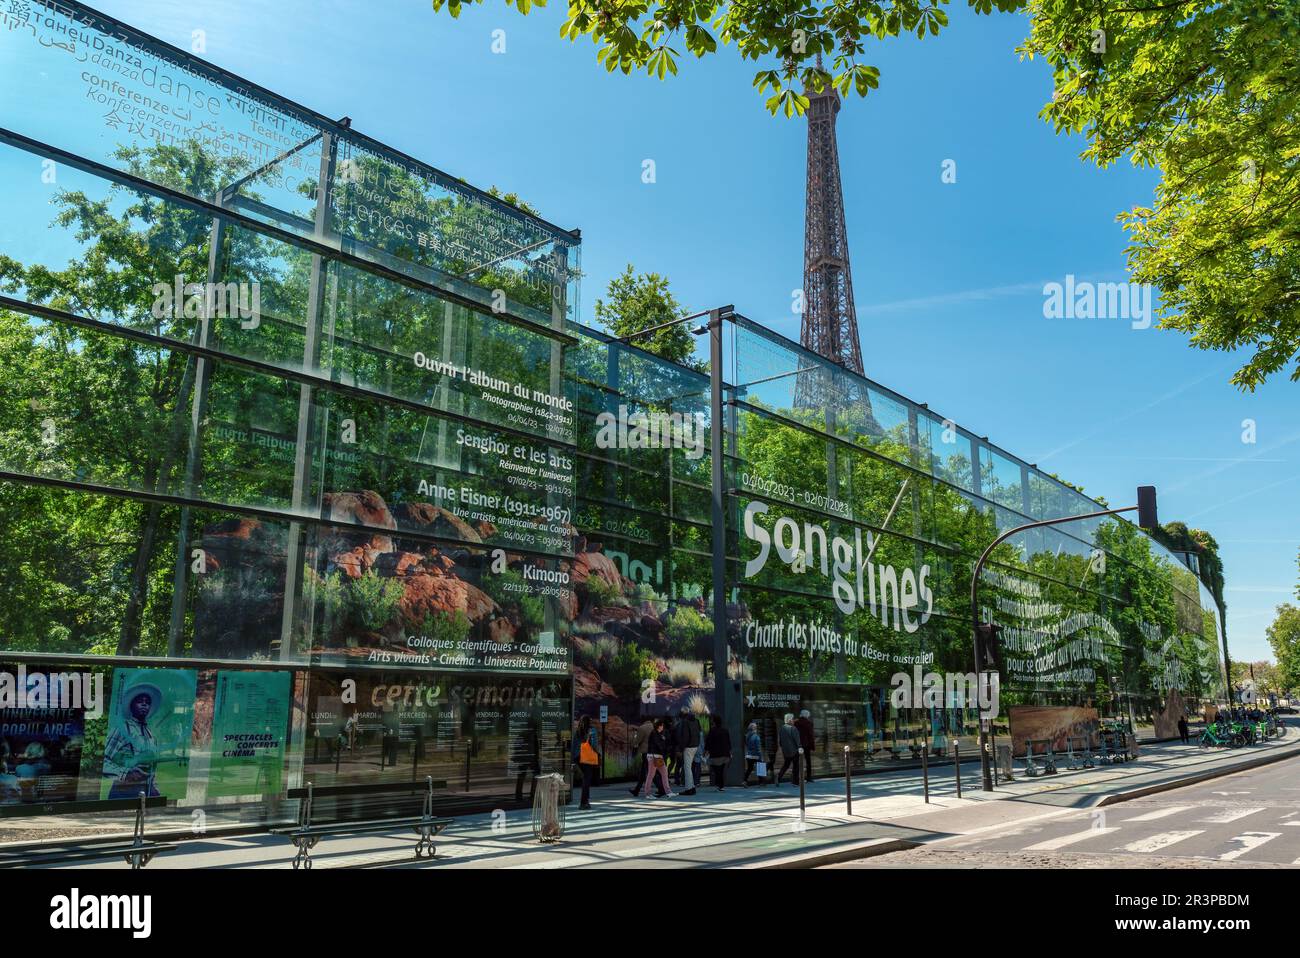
x=650, y=37
x=637, y=302
x=96, y=403
x=1263, y=673
x=1284, y=636
x=509, y=590
x=95, y=573
x=364, y=605
x=514, y=200
x=630, y=667
x=1177, y=537
x=1209, y=94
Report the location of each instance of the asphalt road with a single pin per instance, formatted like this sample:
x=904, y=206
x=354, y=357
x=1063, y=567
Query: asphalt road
x=1249, y=819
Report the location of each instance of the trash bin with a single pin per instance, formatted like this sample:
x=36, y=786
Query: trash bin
x=1003, y=760
x=548, y=812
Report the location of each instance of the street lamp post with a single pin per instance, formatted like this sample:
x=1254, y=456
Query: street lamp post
x=1146, y=510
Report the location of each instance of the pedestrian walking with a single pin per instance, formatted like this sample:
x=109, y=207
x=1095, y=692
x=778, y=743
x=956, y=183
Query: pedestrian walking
x=587, y=757
x=717, y=745
x=689, y=739
x=657, y=750
x=788, y=738
x=641, y=742
x=753, y=753
x=674, y=751
x=807, y=740
x=1182, y=729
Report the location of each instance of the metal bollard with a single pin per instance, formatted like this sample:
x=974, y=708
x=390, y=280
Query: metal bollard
x=802, y=779
x=993, y=753
x=956, y=765
x=925, y=771
x=848, y=782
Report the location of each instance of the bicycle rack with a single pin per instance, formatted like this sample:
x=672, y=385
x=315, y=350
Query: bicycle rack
x=1077, y=760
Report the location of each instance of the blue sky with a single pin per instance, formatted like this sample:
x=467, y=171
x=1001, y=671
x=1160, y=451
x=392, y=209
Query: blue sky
x=948, y=277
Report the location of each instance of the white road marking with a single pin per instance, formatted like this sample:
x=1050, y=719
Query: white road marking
x=1249, y=841
x=1154, y=843
x=965, y=838
x=1229, y=815
x=1160, y=813
x=1054, y=843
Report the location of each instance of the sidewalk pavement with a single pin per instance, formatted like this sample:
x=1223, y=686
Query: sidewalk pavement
x=756, y=827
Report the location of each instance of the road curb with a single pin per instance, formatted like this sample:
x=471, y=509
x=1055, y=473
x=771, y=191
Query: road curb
x=1116, y=797
x=855, y=851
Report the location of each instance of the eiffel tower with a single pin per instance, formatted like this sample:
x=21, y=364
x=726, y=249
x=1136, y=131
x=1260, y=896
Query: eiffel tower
x=830, y=323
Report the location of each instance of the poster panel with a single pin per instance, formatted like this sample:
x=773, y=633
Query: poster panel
x=1055, y=722
x=150, y=721
x=42, y=728
x=249, y=731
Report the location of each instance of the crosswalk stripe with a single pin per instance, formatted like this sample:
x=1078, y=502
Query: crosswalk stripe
x=1161, y=813
x=1052, y=844
x=1249, y=842
x=1229, y=815
x=1154, y=843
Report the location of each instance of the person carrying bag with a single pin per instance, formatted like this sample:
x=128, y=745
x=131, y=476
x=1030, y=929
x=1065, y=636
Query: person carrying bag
x=657, y=760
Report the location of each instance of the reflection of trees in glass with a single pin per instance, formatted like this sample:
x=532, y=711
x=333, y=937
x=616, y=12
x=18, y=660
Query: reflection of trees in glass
x=458, y=234
x=130, y=242
x=1075, y=614
x=377, y=325
x=1177, y=537
x=87, y=406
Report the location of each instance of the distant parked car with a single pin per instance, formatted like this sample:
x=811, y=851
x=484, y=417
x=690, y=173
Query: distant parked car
x=1285, y=710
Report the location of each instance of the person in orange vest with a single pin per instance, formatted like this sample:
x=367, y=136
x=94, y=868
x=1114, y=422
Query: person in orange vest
x=586, y=757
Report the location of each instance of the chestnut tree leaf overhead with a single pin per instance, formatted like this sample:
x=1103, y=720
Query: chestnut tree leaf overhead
x=789, y=38
x=1209, y=93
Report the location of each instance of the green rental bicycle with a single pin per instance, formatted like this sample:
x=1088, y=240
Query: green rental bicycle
x=1222, y=736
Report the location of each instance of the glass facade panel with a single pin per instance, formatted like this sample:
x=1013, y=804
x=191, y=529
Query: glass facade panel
x=288, y=450
x=302, y=439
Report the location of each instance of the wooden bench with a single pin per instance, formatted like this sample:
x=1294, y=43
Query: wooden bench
x=135, y=851
x=306, y=834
